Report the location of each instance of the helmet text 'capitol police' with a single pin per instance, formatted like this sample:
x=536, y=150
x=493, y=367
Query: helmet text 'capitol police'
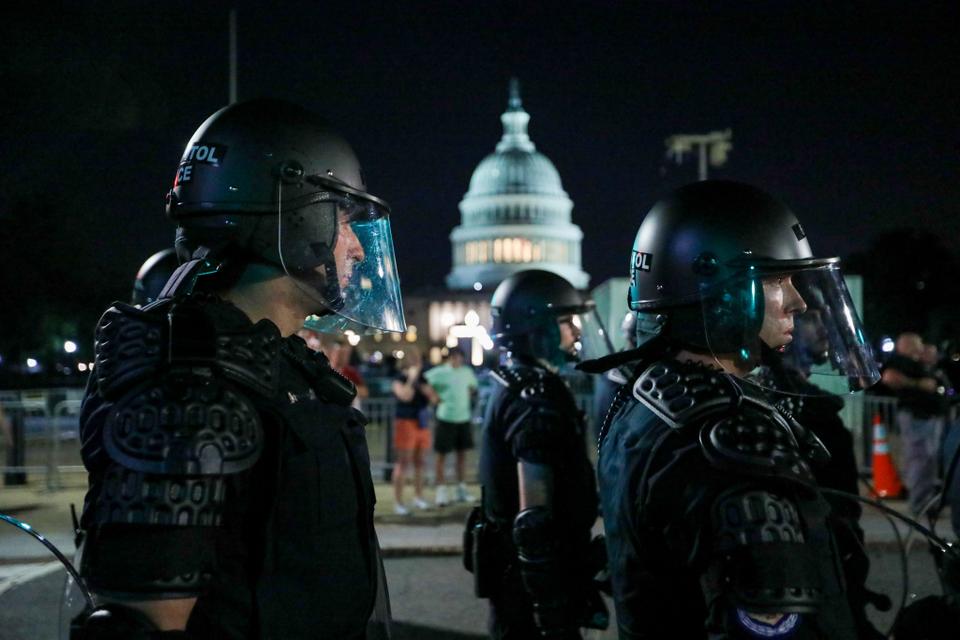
x=212, y=154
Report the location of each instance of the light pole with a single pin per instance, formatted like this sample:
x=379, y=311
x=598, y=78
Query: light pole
x=712, y=148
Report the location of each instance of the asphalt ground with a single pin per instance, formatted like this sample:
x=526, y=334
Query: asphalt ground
x=431, y=594
x=431, y=598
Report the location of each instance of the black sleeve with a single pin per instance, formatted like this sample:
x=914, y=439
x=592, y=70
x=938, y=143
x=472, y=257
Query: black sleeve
x=536, y=432
x=704, y=544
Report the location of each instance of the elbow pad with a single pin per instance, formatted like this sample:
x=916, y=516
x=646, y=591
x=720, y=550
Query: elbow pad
x=116, y=622
x=761, y=561
x=538, y=550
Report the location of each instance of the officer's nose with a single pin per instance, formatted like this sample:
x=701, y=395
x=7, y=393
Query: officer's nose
x=793, y=302
x=354, y=250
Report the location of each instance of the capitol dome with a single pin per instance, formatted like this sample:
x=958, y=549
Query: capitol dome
x=515, y=214
x=515, y=171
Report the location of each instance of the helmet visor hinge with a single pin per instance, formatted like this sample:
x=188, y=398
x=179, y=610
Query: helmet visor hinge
x=290, y=172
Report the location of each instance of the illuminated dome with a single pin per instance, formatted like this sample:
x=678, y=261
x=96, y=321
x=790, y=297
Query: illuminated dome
x=515, y=215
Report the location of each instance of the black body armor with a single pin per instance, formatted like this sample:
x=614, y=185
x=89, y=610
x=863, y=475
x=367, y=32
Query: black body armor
x=226, y=464
x=532, y=417
x=712, y=515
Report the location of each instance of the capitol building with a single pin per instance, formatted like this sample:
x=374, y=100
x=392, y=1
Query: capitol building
x=515, y=215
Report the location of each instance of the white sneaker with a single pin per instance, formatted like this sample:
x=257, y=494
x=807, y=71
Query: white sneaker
x=442, y=500
x=401, y=510
x=463, y=495
x=420, y=503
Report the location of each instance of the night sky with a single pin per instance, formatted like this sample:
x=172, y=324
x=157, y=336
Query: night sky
x=848, y=114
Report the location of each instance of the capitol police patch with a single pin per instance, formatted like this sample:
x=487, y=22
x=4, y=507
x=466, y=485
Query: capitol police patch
x=761, y=625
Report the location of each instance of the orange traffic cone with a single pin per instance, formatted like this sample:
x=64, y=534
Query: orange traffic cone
x=886, y=482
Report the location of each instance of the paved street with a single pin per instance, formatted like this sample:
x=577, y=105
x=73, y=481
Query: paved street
x=431, y=594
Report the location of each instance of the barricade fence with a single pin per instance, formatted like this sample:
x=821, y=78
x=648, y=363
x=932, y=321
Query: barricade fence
x=43, y=438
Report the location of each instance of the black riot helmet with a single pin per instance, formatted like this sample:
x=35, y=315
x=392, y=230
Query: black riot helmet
x=528, y=308
x=153, y=276
x=268, y=181
x=726, y=269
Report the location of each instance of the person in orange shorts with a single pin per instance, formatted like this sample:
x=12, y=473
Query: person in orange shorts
x=411, y=429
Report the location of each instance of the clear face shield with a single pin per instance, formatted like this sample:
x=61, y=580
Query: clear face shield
x=583, y=336
x=339, y=249
x=795, y=332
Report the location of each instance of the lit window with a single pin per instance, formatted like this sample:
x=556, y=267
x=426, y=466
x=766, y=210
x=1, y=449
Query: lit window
x=538, y=251
x=482, y=250
x=527, y=251
x=498, y=250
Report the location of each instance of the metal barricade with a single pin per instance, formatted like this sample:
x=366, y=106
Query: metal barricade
x=46, y=430
x=380, y=412
x=40, y=420
x=28, y=417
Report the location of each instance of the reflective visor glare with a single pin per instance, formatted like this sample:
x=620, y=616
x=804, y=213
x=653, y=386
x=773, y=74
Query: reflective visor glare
x=594, y=341
x=365, y=298
x=796, y=329
x=828, y=340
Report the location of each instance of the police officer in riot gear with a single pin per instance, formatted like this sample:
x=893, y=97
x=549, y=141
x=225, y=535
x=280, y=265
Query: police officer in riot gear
x=715, y=526
x=230, y=490
x=529, y=542
x=152, y=277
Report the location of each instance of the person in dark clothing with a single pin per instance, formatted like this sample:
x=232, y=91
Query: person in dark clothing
x=919, y=419
x=230, y=492
x=819, y=411
x=536, y=564
x=715, y=524
x=152, y=277
x=607, y=385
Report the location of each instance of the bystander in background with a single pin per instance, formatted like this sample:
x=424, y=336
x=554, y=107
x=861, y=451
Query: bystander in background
x=950, y=441
x=455, y=385
x=339, y=352
x=411, y=428
x=919, y=418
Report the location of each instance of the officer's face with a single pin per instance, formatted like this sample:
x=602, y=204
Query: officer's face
x=347, y=252
x=569, y=332
x=812, y=334
x=782, y=301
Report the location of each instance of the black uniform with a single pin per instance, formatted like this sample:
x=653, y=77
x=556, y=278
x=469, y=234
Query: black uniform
x=712, y=514
x=532, y=416
x=226, y=463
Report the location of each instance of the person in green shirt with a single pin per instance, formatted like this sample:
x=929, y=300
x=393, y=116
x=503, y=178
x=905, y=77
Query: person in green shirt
x=454, y=385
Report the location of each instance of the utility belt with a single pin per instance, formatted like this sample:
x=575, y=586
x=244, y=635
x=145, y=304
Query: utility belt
x=487, y=552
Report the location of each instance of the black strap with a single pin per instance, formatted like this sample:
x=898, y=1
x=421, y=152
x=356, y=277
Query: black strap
x=182, y=279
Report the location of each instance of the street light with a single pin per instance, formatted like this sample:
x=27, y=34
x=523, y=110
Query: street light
x=70, y=346
x=712, y=148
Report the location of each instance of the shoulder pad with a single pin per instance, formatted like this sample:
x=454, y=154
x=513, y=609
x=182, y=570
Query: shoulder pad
x=203, y=333
x=755, y=441
x=518, y=378
x=329, y=384
x=134, y=344
x=183, y=423
x=531, y=384
x=128, y=345
x=681, y=393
